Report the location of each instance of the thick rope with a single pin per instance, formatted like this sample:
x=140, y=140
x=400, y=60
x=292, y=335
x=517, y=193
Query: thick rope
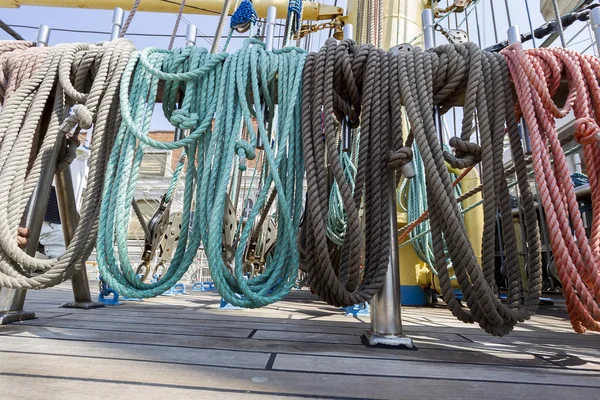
x=18, y=61
x=537, y=75
x=216, y=89
x=377, y=84
x=59, y=82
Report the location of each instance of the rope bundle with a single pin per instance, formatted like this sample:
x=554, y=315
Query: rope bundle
x=18, y=61
x=58, y=84
x=376, y=83
x=537, y=75
x=216, y=89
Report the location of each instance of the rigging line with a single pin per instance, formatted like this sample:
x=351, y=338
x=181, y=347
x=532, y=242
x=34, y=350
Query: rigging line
x=507, y=13
x=494, y=21
x=141, y=34
x=530, y=23
x=559, y=24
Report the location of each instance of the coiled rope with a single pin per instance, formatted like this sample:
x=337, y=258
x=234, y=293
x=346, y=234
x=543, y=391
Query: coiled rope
x=216, y=87
x=18, y=61
x=377, y=84
x=537, y=75
x=58, y=83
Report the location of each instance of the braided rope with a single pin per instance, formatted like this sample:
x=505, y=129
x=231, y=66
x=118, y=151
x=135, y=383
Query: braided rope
x=537, y=75
x=98, y=68
x=377, y=84
x=215, y=87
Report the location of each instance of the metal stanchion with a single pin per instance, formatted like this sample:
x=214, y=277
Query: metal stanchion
x=386, y=321
x=13, y=300
x=67, y=207
x=269, y=36
x=117, y=23
x=595, y=18
x=191, y=34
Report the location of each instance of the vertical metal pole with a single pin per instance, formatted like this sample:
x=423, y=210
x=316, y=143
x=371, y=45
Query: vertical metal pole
x=67, y=207
x=191, y=34
x=514, y=36
x=429, y=42
x=117, y=23
x=595, y=18
x=13, y=300
x=428, y=29
x=269, y=37
x=346, y=130
x=386, y=320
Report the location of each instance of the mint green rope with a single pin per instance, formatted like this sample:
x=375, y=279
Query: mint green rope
x=216, y=88
x=336, y=218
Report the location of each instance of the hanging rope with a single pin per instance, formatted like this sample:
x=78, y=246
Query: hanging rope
x=377, y=83
x=58, y=83
x=176, y=26
x=537, y=75
x=18, y=61
x=134, y=8
x=215, y=87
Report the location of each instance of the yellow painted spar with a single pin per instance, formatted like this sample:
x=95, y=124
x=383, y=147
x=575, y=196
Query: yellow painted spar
x=312, y=10
x=473, y=223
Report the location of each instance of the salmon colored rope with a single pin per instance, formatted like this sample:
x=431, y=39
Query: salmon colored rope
x=537, y=75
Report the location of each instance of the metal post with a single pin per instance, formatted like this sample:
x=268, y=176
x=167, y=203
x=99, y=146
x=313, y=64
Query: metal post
x=117, y=23
x=428, y=28
x=67, y=207
x=13, y=300
x=595, y=18
x=269, y=36
x=386, y=320
x=346, y=130
x=514, y=36
x=191, y=34
x=429, y=42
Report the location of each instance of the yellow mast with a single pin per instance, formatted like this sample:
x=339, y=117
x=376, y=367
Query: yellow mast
x=312, y=10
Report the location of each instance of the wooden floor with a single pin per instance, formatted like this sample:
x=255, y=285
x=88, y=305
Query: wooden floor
x=184, y=347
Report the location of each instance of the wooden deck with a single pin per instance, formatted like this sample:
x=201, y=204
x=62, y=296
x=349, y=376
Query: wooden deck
x=184, y=347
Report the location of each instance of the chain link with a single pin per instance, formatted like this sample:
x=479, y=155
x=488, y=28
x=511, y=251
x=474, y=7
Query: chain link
x=457, y=7
x=306, y=30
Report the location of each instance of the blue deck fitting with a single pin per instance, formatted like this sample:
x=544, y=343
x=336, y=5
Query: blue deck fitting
x=227, y=306
x=179, y=288
x=203, y=286
x=358, y=310
x=103, y=297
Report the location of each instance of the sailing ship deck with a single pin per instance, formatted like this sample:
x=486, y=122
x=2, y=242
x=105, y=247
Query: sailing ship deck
x=184, y=347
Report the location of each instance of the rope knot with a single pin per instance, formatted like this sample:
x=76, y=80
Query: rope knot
x=402, y=160
x=245, y=151
x=79, y=115
x=184, y=120
x=466, y=154
x=586, y=131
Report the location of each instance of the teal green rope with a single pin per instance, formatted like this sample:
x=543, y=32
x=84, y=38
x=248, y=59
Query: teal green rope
x=252, y=64
x=215, y=87
x=336, y=218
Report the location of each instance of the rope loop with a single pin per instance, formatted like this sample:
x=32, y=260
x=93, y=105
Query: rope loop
x=81, y=116
x=466, y=154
